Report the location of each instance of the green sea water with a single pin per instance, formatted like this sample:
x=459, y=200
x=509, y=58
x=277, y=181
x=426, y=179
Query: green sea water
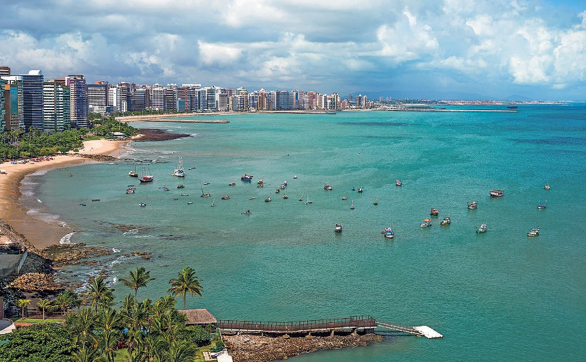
x=497, y=296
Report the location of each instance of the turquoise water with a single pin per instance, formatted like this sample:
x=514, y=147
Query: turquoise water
x=496, y=296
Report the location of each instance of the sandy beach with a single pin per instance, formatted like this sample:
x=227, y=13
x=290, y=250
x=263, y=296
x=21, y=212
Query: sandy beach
x=38, y=232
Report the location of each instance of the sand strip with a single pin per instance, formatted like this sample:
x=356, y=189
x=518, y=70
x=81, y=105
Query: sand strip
x=38, y=232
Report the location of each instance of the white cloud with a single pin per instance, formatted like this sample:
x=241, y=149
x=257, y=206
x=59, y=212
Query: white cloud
x=219, y=54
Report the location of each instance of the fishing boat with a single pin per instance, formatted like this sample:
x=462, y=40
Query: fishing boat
x=426, y=223
x=165, y=188
x=180, y=186
x=546, y=186
x=445, y=221
x=252, y=198
x=213, y=203
x=179, y=172
x=142, y=204
x=433, y=212
x=277, y=190
x=133, y=173
x=398, y=183
x=82, y=204
x=285, y=197
x=147, y=177
x=295, y=177
x=190, y=202
x=541, y=205
x=282, y=186
x=93, y=200
x=268, y=199
x=308, y=202
x=260, y=182
x=185, y=194
x=130, y=190
x=327, y=187
x=260, y=185
x=376, y=202
x=534, y=232
x=232, y=184
x=360, y=190
x=246, y=177
x=388, y=233
x=338, y=228
x=204, y=194
x=353, y=189
x=352, y=205
x=345, y=197
x=301, y=198
x=472, y=205
x=248, y=212
x=206, y=183
x=482, y=229
x=496, y=193
x=225, y=197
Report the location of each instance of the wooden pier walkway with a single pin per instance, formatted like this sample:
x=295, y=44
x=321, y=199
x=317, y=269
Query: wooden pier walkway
x=364, y=323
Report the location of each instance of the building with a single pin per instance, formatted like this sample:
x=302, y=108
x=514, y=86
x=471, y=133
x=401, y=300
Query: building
x=138, y=100
x=4, y=71
x=56, y=106
x=32, y=92
x=98, y=97
x=158, y=98
x=78, y=100
x=170, y=98
x=123, y=97
x=3, y=105
x=13, y=102
x=200, y=317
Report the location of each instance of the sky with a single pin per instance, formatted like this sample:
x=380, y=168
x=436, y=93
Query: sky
x=451, y=49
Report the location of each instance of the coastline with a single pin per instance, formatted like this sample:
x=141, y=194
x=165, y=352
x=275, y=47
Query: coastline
x=40, y=233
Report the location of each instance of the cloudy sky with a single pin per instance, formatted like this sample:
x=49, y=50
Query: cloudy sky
x=411, y=48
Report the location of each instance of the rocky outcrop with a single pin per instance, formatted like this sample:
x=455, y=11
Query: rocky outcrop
x=73, y=254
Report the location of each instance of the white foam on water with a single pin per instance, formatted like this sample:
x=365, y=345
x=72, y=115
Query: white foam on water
x=114, y=250
x=131, y=232
x=66, y=239
x=39, y=201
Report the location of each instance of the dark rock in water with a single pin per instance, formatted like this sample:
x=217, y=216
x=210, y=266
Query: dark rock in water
x=152, y=134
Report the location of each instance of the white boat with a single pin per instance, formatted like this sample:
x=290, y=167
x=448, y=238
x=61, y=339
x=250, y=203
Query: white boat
x=482, y=229
x=142, y=204
x=534, y=232
x=308, y=202
x=204, y=194
x=352, y=205
x=398, y=183
x=472, y=205
x=388, y=233
x=426, y=223
x=225, y=197
x=338, y=228
x=546, y=186
x=268, y=199
x=133, y=173
x=179, y=170
x=345, y=197
x=295, y=177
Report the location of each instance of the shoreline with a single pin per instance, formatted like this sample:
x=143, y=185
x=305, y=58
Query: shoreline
x=40, y=233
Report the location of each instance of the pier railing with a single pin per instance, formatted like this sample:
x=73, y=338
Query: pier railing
x=351, y=323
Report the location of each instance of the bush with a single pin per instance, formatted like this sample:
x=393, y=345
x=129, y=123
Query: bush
x=40, y=342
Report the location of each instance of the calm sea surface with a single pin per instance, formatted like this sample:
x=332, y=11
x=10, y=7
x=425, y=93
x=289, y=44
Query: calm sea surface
x=497, y=296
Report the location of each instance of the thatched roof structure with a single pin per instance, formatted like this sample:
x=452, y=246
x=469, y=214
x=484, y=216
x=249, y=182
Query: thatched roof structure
x=198, y=316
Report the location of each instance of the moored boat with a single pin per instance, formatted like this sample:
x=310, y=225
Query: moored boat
x=133, y=173
x=541, y=205
x=338, y=228
x=285, y=197
x=213, y=203
x=142, y=204
x=327, y=187
x=472, y=205
x=130, y=190
x=426, y=223
x=147, y=177
x=248, y=212
x=225, y=197
x=295, y=177
x=308, y=202
x=482, y=229
x=232, y=184
x=433, y=212
x=496, y=193
x=534, y=232
x=268, y=199
x=246, y=177
x=352, y=205
x=398, y=183
x=546, y=186
x=179, y=172
x=359, y=190
x=445, y=221
x=276, y=191
x=345, y=197
x=376, y=202
x=180, y=186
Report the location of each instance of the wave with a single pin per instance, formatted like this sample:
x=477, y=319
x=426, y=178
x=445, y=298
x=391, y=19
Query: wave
x=66, y=239
x=114, y=250
x=131, y=232
x=39, y=201
x=39, y=172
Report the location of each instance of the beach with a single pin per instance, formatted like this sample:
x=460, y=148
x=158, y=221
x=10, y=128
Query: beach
x=38, y=232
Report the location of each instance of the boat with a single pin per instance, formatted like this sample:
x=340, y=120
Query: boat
x=496, y=193
x=353, y=189
x=327, y=187
x=133, y=173
x=246, y=177
x=301, y=198
x=426, y=223
x=433, y=212
x=180, y=186
x=276, y=191
x=206, y=183
x=142, y=204
x=225, y=197
x=130, y=190
x=147, y=177
x=232, y=184
x=268, y=199
x=308, y=202
x=398, y=183
x=176, y=198
x=190, y=202
x=185, y=194
x=360, y=190
x=445, y=221
x=295, y=177
x=248, y=212
x=285, y=197
x=260, y=182
x=534, y=232
x=252, y=198
x=345, y=197
x=178, y=172
x=213, y=204
x=541, y=205
x=376, y=202
x=82, y=204
x=165, y=188
x=352, y=205
x=388, y=233
x=192, y=168
x=472, y=205
x=260, y=185
x=204, y=194
x=546, y=186
x=482, y=229
x=282, y=187
x=338, y=228
x=284, y=184
x=95, y=200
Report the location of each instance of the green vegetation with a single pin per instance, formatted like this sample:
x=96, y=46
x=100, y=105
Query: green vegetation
x=16, y=144
x=136, y=331
x=38, y=321
x=186, y=282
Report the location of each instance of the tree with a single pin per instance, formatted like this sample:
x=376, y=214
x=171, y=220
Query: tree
x=48, y=342
x=43, y=304
x=99, y=292
x=186, y=282
x=66, y=300
x=22, y=304
x=137, y=279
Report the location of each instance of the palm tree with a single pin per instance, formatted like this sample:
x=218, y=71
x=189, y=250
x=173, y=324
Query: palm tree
x=43, y=303
x=186, y=282
x=66, y=300
x=137, y=279
x=22, y=304
x=99, y=292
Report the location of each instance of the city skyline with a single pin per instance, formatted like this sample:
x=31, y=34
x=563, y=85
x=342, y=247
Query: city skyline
x=447, y=50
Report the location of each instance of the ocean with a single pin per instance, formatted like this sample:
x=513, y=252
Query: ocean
x=496, y=296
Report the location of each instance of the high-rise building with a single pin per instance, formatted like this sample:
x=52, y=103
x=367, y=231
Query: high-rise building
x=138, y=100
x=282, y=100
x=98, y=97
x=32, y=91
x=170, y=99
x=158, y=98
x=15, y=100
x=56, y=106
x=2, y=105
x=4, y=71
x=78, y=100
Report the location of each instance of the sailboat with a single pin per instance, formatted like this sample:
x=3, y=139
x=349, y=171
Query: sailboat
x=376, y=202
x=352, y=205
x=179, y=170
x=308, y=202
x=147, y=177
x=133, y=173
x=213, y=204
x=207, y=194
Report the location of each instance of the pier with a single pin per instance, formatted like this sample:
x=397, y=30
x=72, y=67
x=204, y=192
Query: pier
x=353, y=324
